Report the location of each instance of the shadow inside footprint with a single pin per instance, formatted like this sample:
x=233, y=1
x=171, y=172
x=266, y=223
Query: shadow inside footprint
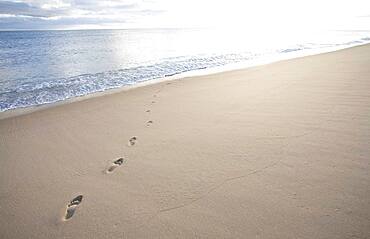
x=132, y=141
x=115, y=164
x=72, y=206
x=149, y=123
x=147, y=111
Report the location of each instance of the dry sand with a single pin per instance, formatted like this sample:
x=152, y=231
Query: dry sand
x=274, y=151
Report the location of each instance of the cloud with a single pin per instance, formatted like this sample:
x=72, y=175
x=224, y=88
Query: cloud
x=25, y=9
x=55, y=14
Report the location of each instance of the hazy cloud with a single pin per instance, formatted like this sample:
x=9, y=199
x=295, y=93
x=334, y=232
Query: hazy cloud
x=40, y=14
x=25, y=9
x=292, y=14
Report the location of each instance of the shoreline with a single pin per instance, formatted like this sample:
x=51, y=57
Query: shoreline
x=181, y=76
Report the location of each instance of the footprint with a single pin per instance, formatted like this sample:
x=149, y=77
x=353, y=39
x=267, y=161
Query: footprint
x=147, y=111
x=153, y=102
x=149, y=123
x=115, y=164
x=154, y=96
x=132, y=141
x=72, y=206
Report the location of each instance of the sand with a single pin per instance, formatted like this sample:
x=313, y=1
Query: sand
x=274, y=151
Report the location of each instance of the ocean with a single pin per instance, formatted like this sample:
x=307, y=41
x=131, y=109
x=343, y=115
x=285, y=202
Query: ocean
x=40, y=67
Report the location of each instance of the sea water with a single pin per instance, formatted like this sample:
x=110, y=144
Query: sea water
x=39, y=67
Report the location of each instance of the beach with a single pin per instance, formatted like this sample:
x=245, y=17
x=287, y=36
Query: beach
x=273, y=151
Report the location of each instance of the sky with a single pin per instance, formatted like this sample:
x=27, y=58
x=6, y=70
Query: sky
x=258, y=14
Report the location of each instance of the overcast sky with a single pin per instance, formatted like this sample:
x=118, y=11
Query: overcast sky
x=258, y=14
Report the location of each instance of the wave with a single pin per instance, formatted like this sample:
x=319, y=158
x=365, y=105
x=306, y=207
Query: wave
x=32, y=92
x=29, y=93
